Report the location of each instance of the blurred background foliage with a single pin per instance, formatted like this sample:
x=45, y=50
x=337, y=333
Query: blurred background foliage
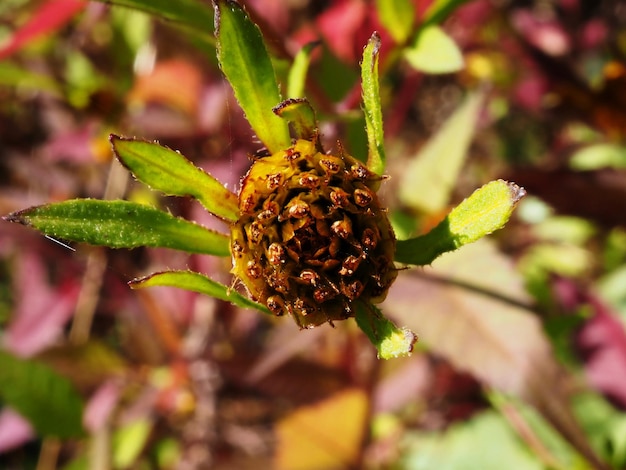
x=522, y=355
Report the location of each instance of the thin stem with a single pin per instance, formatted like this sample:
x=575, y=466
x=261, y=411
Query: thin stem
x=473, y=288
x=49, y=454
x=96, y=265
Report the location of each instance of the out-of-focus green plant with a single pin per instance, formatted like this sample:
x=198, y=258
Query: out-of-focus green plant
x=308, y=235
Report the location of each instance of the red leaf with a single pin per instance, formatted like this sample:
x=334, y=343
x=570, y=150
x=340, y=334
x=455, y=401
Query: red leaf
x=603, y=342
x=41, y=311
x=50, y=16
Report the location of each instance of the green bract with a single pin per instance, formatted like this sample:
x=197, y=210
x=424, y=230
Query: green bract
x=308, y=236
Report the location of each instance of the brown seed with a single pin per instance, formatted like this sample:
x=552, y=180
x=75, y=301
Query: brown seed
x=297, y=209
x=342, y=228
x=291, y=154
x=276, y=304
x=370, y=238
x=350, y=265
x=331, y=165
x=278, y=281
x=309, y=181
x=302, y=308
x=237, y=249
x=340, y=198
x=363, y=197
x=352, y=290
x=309, y=276
x=248, y=205
x=358, y=171
x=266, y=215
x=275, y=254
x=256, y=232
x=322, y=294
x=274, y=181
x=254, y=270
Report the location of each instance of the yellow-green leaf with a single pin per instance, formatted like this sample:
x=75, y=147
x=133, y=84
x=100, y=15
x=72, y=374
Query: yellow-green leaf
x=431, y=175
x=197, y=282
x=389, y=340
x=120, y=224
x=246, y=63
x=298, y=71
x=485, y=211
x=171, y=173
x=433, y=51
x=398, y=18
x=371, y=105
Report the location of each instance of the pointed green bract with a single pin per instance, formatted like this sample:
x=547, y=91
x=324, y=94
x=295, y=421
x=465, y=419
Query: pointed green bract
x=484, y=212
x=301, y=115
x=389, y=340
x=121, y=224
x=371, y=105
x=168, y=171
x=46, y=399
x=297, y=73
x=200, y=283
x=246, y=63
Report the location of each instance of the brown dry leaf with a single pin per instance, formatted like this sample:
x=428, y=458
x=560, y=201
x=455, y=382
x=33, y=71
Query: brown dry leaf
x=327, y=435
x=487, y=331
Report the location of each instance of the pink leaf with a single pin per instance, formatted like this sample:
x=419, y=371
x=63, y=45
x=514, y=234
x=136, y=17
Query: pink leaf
x=343, y=20
x=14, y=430
x=101, y=406
x=41, y=311
x=50, y=16
x=603, y=342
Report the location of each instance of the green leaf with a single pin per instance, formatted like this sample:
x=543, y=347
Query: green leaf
x=439, y=10
x=46, y=399
x=433, y=51
x=197, y=282
x=485, y=211
x=455, y=448
x=598, y=156
x=398, y=17
x=193, y=13
x=247, y=66
x=129, y=440
x=120, y=224
x=389, y=340
x=432, y=174
x=334, y=76
x=301, y=115
x=169, y=172
x=14, y=75
x=371, y=104
x=298, y=71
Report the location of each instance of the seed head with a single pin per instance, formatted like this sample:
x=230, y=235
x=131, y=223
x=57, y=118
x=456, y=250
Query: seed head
x=312, y=238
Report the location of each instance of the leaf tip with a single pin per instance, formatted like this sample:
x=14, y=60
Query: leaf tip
x=398, y=344
x=16, y=217
x=517, y=192
x=375, y=41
